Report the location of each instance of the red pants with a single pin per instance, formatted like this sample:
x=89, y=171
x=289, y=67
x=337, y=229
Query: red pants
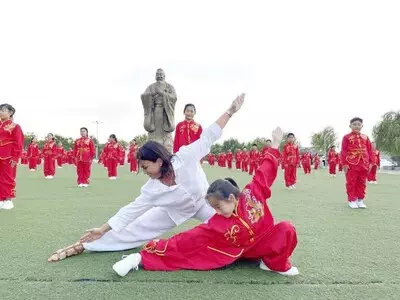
x=290, y=175
x=316, y=166
x=83, y=171
x=356, y=182
x=112, y=165
x=238, y=164
x=340, y=167
x=33, y=162
x=190, y=251
x=49, y=167
x=372, y=174
x=229, y=164
x=253, y=168
x=134, y=165
x=7, y=180
x=245, y=167
x=332, y=168
x=211, y=162
x=307, y=168
x=59, y=161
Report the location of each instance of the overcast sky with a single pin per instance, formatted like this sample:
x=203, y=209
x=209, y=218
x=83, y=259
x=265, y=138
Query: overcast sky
x=303, y=64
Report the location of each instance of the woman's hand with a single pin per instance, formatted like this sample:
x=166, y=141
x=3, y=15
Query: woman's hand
x=236, y=104
x=94, y=234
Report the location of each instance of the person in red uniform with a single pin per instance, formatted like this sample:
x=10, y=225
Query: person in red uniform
x=238, y=159
x=306, y=162
x=290, y=161
x=377, y=164
x=83, y=153
x=245, y=160
x=60, y=155
x=332, y=161
x=33, y=154
x=253, y=159
x=11, y=146
x=222, y=160
x=243, y=227
x=113, y=153
x=24, y=158
x=317, y=161
x=187, y=131
x=133, y=148
x=49, y=154
x=211, y=159
x=339, y=162
x=357, y=158
x=229, y=159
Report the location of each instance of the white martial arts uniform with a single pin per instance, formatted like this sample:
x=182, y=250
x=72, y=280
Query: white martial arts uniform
x=160, y=208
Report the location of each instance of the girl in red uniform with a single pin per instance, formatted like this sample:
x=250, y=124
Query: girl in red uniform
x=187, y=131
x=60, y=155
x=132, y=156
x=33, y=155
x=49, y=153
x=113, y=154
x=243, y=227
x=11, y=145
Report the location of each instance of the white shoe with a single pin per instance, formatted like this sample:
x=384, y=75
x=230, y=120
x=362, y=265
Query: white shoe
x=85, y=185
x=129, y=262
x=50, y=177
x=375, y=182
x=289, y=187
x=59, y=167
x=293, y=187
x=8, y=204
x=80, y=185
x=293, y=271
x=361, y=204
x=32, y=170
x=353, y=204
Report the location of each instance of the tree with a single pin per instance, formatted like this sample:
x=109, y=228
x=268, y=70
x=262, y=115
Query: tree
x=123, y=143
x=67, y=142
x=216, y=148
x=141, y=139
x=27, y=138
x=231, y=144
x=323, y=140
x=386, y=134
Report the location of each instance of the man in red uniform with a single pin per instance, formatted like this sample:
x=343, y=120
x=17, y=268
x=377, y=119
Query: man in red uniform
x=187, y=131
x=11, y=146
x=132, y=156
x=357, y=159
x=306, y=162
x=376, y=165
x=332, y=161
x=317, y=161
x=60, y=155
x=290, y=161
x=49, y=154
x=253, y=159
x=245, y=160
x=238, y=159
x=222, y=160
x=33, y=155
x=229, y=159
x=84, y=152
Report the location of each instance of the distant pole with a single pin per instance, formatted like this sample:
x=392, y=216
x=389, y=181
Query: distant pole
x=97, y=137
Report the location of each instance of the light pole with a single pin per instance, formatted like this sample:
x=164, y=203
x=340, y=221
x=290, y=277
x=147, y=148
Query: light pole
x=97, y=138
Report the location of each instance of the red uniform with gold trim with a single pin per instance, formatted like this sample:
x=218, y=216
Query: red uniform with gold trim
x=375, y=167
x=60, y=156
x=332, y=161
x=245, y=161
x=113, y=153
x=290, y=161
x=132, y=157
x=253, y=161
x=229, y=159
x=211, y=159
x=317, y=161
x=222, y=160
x=357, y=155
x=186, y=132
x=339, y=162
x=11, y=146
x=249, y=233
x=306, y=162
x=49, y=154
x=33, y=155
x=24, y=158
x=83, y=154
x=238, y=159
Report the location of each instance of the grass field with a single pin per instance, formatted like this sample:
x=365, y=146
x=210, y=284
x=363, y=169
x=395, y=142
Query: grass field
x=342, y=253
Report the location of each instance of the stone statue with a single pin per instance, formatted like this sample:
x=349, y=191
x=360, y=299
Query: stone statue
x=159, y=110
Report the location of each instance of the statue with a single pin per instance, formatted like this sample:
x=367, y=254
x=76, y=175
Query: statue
x=159, y=109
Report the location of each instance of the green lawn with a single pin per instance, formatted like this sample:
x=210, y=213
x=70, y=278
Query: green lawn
x=342, y=253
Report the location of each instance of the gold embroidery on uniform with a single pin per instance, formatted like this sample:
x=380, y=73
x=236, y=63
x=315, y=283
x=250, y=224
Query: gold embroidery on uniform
x=227, y=254
x=10, y=127
x=254, y=207
x=230, y=234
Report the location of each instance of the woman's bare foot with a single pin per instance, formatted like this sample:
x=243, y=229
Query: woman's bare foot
x=74, y=249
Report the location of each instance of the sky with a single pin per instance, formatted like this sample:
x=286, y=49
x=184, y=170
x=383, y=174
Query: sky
x=304, y=65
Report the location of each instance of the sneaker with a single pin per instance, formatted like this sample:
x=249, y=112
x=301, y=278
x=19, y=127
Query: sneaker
x=32, y=170
x=8, y=204
x=80, y=185
x=293, y=271
x=375, y=182
x=293, y=187
x=353, y=204
x=85, y=185
x=128, y=262
x=361, y=204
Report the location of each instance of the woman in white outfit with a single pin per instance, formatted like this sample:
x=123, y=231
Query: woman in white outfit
x=174, y=193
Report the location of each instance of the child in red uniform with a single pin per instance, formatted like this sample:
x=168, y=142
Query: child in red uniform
x=33, y=155
x=83, y=153
x=60, y=155
x=243, y=227
x=132, y=156
x=290, y=160
x=245, y=160
x=339, y=162
x=113, y=153
x=11, y=145
x=229, y=159
x=332, y=161
x=376, y=166
x=238, y=159
x=306, y=162
x=211, y=159
x=317, y=161
x=49, y=153
x=253, y=159
x=187, y=131
x=357, y=159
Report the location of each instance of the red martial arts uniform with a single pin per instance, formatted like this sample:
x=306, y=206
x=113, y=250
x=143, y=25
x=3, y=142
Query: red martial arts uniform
x=24, y=158
x=60, y=156
x=132, y=158
x=249, y=233
x=306, y=162
x=229, y=159
x=332, y=160
x=222, y=160
x=33, y=156
x=375, y=167
x=254, y=160
x=339, y=162
x=211, y=159
x=317, y=161
x=238, y=159
x=245, y=161
x=49, y=153
x=11, y=145
x=186, y=132
x=83, y=153
x=357, y=155
x=113, y=154
x=290, y=161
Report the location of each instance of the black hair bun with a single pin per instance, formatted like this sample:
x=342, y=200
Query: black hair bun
x=233, y=182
